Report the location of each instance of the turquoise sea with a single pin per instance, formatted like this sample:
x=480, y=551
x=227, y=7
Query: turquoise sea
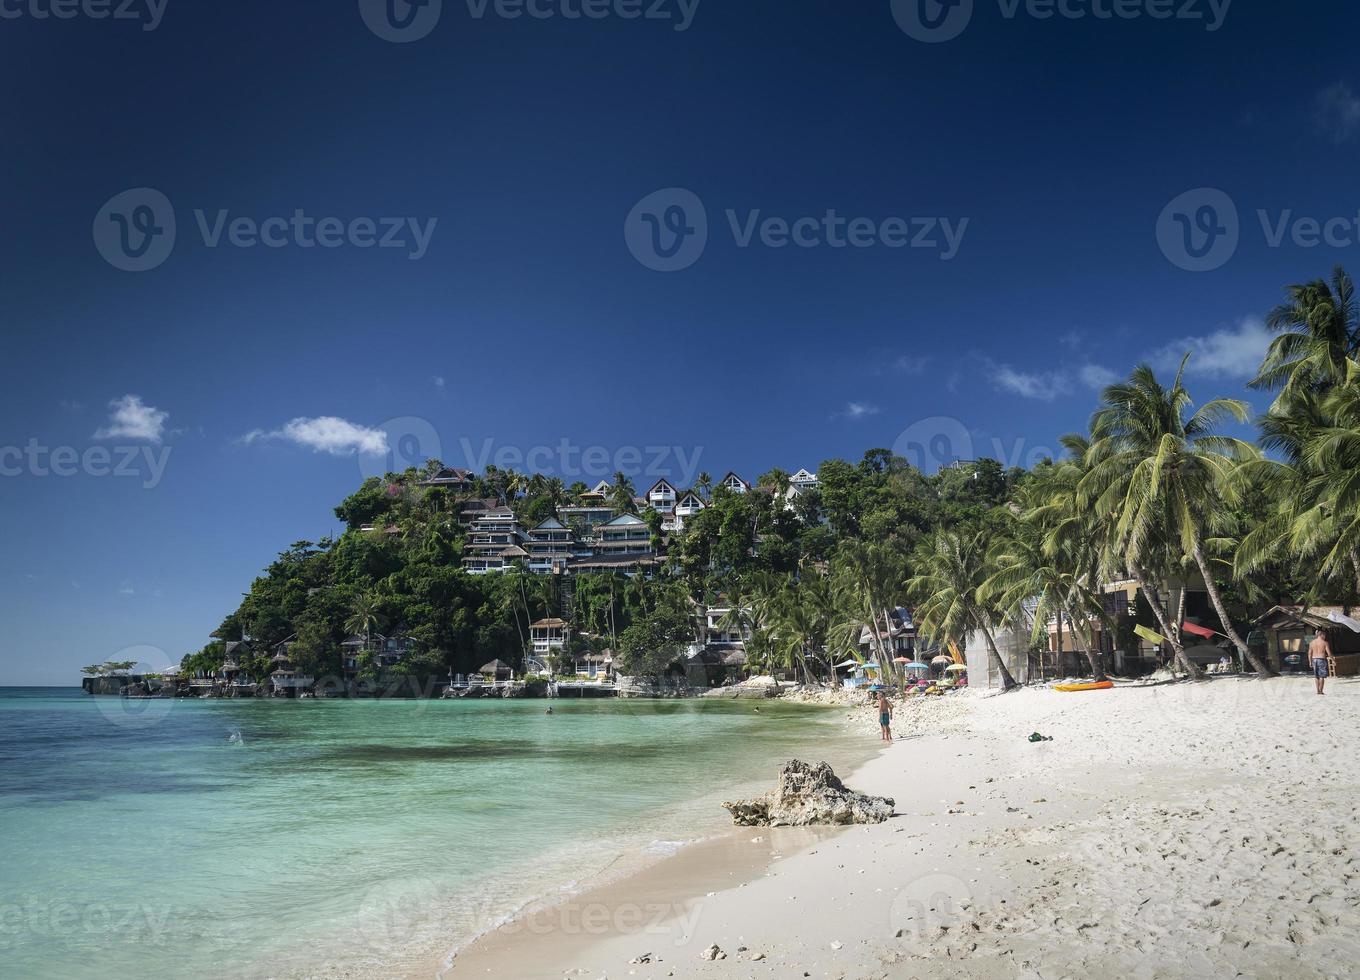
x=156, y=839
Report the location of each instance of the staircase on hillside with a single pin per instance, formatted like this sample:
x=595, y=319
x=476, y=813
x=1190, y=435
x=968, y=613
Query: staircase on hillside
x=569, y=599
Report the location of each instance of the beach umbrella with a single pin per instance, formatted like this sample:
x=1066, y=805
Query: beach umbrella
x=847, y=663
x=942, y=661
x=917, y=665
x=871, y=666
x=954, y=668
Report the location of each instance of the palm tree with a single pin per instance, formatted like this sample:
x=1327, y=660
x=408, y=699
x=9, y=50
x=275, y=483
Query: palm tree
x=948, y=588
x=1319, y=332
x=704, y=484
x=621, y=494
x=1161, y=476
x=868, y=581
x=364, y=616
x=1332, y=458
x=1023, y=572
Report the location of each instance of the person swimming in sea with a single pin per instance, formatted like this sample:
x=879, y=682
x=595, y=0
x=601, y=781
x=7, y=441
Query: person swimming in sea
x=885, y=711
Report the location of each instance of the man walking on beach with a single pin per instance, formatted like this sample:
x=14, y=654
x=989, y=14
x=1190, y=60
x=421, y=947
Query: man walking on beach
x=1319, y=651
x=885, y=716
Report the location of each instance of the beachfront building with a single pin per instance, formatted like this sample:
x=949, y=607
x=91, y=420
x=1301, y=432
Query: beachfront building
x=686, y=506
x=548, y=638
x=585, y=517
x=897, y=638
x=473, y=510
x=597, y=494
x=594, y=666
x=661, y=497
x=734, y=483
x=799, y=484
x=236, y=683
x=551, y=546
x=451, y=479
x=626, y=538
x=1282, y=636
x=495, y=542
x=284, y=679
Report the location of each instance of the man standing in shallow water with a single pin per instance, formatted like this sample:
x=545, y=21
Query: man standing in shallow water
x=1319, y=652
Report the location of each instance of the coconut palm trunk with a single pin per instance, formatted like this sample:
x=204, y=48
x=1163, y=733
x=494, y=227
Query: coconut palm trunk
x=1097, y=670
x=1262, y=669
x=1172, y=636
x=994, y=657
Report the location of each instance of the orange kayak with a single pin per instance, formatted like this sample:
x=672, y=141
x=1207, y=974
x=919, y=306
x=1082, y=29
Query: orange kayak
x=1101, y=686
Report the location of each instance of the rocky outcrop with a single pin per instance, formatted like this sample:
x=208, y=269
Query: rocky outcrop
x=809, y=794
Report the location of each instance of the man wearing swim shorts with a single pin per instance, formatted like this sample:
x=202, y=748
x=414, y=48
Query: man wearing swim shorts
x=1319, y=652
x=885, y=716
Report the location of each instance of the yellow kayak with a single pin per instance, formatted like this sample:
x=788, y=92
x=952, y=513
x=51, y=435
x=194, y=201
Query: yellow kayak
x=1093, y=686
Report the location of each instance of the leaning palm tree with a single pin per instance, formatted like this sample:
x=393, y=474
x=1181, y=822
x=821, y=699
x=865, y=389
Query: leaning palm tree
x=1160, y=475
x=950, y=603
x=1319, y=330
x=1022, y=572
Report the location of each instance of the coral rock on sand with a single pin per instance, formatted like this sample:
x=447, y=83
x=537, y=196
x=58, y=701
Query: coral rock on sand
x=808, y=794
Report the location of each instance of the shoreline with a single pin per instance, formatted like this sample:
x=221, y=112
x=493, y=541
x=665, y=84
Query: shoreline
x=579, y=908
x=660, y=903
x=1170, y=850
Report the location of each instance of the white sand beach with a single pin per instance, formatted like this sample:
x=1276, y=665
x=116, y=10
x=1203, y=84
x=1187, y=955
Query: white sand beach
x=1186, y=830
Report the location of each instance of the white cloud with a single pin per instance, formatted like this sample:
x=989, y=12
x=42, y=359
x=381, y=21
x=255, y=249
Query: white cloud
x=859, y=410
x=327, y=434
x=1233, y=352
x=438, y=380
x=1337, y=112
x=911, y=365
x=131, y=418
x=1096, y=376
x=1038, y=385
x=1045, y=386
x=126, y=589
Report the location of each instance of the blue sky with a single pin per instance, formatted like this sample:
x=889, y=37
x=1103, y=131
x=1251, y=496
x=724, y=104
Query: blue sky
x=1044, y=167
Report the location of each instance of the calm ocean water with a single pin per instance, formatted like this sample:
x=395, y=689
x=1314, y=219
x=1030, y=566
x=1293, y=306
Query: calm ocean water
x=225, y=838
